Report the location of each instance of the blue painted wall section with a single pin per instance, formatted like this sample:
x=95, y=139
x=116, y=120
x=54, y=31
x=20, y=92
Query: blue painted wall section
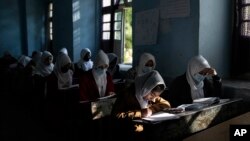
x=21, y=26
x=215, y=33
x=86, y=16
x=178, y=39
x=36, y=25
x=62, y=26
x=10, y=27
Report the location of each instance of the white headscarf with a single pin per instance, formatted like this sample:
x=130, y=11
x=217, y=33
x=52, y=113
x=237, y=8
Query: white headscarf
x=64, y=79
x=145, y=57
x=195, y=65
x=24, y=60
x=85, y=65
x=145, y=83
x=112, y=57
x=100, y=79
x=64, y=50
x=43, y=69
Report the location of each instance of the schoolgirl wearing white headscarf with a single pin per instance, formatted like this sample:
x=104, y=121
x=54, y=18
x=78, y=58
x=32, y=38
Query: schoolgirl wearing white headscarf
x=195, y=83
x=45, y=65
x=145, y=57
x=134, y=100
x=96, y=83
x=195, y=80
x=100, y=74
x=141, y=68
x=85, y=63
x=64, y=78
x=144, y=85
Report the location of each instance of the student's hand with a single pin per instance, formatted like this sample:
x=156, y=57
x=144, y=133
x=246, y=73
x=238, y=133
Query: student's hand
x=146, y=112
x=111, y=93
x=209, y=71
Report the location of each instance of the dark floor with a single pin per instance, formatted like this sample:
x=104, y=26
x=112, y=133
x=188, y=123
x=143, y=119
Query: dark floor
x=18, y=123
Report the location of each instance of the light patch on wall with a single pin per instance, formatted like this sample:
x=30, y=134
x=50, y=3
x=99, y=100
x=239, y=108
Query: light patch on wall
x=76, y=11
x=76, y=35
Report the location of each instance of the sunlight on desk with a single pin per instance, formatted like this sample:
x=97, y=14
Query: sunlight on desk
x=220, y=132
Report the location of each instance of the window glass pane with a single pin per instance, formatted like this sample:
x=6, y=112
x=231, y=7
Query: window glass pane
x=106, y=3
x=246, y=13
x=50, y=30
x=245, y=29
x=76, y=5
x=245, y=1
x=117, y=35
x=50, y=14
x=51, y=6
x=121, y=1
x=51, y=37
x=106, y=18
x=106, y=26
x=50, y=24
x=106, y=35
x=118, y=25
x=118, y=16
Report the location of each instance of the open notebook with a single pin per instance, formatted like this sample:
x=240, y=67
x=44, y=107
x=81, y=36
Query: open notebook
x=102, y=107
x=160, y=116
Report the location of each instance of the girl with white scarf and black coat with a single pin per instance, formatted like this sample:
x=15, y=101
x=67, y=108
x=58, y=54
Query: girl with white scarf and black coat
x=199, y=81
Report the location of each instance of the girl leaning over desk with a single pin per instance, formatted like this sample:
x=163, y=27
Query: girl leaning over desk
x=141, y=99
x=199, y=81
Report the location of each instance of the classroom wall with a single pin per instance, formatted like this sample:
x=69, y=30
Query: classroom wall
x=21, y=26
x=215, y=33
x=206, y=31
x=76, y=26
x=62, y=26
x=85, y=27
x=35, y=25
x=177, y=41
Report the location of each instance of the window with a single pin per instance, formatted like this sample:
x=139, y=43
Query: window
x=245, y=18
x=117, y=28
x=50, y=15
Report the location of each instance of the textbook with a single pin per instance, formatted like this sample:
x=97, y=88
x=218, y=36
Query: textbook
x=200, y=103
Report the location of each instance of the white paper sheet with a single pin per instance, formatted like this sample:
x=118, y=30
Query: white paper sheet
x=146, y=27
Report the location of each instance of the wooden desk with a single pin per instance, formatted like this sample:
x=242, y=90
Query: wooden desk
x=220, y=132
x=193, y=121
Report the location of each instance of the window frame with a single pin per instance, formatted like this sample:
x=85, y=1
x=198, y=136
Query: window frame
x=241, y=18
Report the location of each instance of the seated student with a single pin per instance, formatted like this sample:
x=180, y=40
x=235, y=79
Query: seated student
x=141, y=99
x=45, y=65
x=61, y=77
x=113, y=68
x=62, y=94
x=96, y=82
x=84, y=64
x=146, y=64
x=194, y=83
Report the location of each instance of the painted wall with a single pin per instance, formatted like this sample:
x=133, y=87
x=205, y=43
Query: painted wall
x=177, y=39
x=62, y=26
x=21, y=26
x=10, y=27
x=86, y=23
x=215, y=33
x=35, y=25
